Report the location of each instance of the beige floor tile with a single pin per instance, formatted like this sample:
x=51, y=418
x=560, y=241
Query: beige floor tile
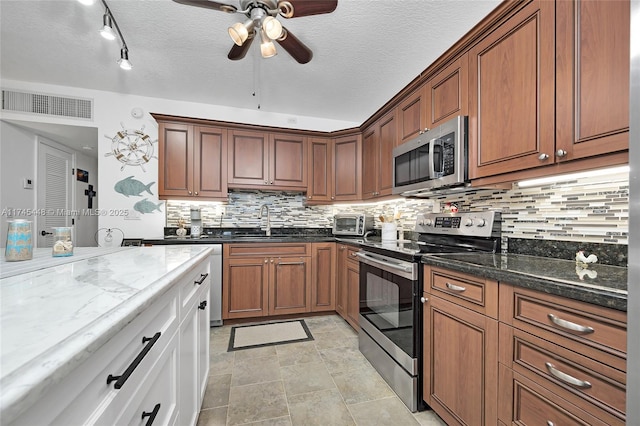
x=217, y=393
x=221, y=363
x=297, y=353
x=322, y=408
x=280, y=421
x=360, y=385
x=303, y=378
x=213, y=417
x=224, y=330
x=257, y=402
x=343, y=359
x=218, y=344
x=382, y=412
x=322, y=324
x=255, y=370
x=428, y=418
x=334, y=339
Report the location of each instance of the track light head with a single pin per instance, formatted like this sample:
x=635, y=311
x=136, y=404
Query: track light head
x=124, y=59
x=107, y=27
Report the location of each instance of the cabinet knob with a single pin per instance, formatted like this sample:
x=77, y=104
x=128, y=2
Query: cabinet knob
x=543, y=156
x=266, y=182
x=189, y=192
x=561, y=153
x=271, y=260
x=271, y=182
x=424, y=299
x=266, y=261
x=308, y=197
x=333, y=198
x=196, y=192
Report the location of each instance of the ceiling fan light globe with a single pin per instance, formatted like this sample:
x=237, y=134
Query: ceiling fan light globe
x=272, y=27
x=268, y=49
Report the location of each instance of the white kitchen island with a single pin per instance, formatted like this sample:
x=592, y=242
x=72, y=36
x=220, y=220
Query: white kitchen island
x=65, y=328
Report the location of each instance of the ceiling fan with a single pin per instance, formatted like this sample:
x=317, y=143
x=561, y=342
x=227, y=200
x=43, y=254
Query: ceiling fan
x=262, y=23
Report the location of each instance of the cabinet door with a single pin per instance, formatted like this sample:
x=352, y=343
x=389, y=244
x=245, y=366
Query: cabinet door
x=353, y=298
x=411, y=116
x=346, y=167
x=210, y=162
x=320, y=170
x=323, y=277
x=288, y=161
x=290, y=285
x=370, y=155
x=460, y=363
x=248, y=154
x=342, y=290
x=175, y=160
x=245, y=288
x=189, y=402
x=387, y=138
x=592, y=77
x=204, y=326
x=511, y=92
x=448, y=93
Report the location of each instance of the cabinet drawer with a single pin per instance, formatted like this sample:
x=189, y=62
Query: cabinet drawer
x=191, y=285
x=272, y=249
x=351, y=253
x=523, y=402
x=589, y=384
x=477, y=294
x=566, y=321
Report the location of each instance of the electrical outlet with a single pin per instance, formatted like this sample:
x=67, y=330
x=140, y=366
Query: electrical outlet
x=27, y=183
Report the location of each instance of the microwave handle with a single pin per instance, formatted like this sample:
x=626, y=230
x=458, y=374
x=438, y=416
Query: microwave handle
x=432, y=169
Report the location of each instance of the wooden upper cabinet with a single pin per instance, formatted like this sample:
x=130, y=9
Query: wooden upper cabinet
x=210, y=162
x=259, y=160
x=288, y=161
x=320, y=170
x=387, y=140
x=448, y=93
x=347, y=163
x=592, y=77
x=248, y=158
x=370, y=160
x=511, y=93
x=192, y=161
x=412, y=116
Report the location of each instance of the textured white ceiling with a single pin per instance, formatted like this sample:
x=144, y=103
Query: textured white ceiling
x=364, y=52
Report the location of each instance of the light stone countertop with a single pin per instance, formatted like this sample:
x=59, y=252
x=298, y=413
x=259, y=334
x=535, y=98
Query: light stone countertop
x=52, y=319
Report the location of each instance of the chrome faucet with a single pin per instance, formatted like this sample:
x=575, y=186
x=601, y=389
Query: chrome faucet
x=268, y=228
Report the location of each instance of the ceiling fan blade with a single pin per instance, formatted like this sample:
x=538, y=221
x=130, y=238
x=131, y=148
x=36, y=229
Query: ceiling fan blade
x=238, y=52
x=207, y=4
x=295, y=47
x=298, y=8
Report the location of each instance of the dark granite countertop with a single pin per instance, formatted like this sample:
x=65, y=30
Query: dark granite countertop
x=599, y=284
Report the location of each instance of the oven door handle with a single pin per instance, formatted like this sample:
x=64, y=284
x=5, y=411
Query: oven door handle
x=380, y=263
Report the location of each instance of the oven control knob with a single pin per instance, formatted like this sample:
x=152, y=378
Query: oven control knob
x=468, y=222
x=480, y=223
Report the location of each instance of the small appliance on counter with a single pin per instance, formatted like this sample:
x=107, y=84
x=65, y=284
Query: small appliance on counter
x=354, y=224
x=196, y=222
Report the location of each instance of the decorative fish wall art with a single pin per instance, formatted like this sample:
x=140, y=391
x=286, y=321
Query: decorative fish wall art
x=130, y=186
x=146, y=206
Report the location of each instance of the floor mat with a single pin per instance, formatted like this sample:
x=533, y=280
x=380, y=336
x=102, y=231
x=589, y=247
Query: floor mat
x=266, y=334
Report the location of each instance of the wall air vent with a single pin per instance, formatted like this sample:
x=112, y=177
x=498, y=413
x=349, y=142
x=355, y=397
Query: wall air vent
x=44, y=104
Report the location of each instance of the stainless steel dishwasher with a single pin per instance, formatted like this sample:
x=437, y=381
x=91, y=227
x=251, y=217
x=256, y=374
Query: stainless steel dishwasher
x=216, y=285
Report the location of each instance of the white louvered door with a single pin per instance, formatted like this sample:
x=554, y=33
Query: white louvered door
x=54, y=191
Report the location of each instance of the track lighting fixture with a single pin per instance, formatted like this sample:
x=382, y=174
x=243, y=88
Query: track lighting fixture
x=108, y=23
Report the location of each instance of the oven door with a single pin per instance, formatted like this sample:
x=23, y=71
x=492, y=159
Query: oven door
x=389, y=306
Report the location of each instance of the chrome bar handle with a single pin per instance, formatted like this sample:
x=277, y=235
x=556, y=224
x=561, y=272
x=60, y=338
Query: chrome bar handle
x=455, y=287
x=566, y=378
x=381, y=262
x=571, y=326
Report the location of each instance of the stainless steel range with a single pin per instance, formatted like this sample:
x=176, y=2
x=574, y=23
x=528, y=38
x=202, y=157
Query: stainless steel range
x=391, y=285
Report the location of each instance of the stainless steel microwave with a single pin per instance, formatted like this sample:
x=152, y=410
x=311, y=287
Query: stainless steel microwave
x=434, y=160
x=351, y=224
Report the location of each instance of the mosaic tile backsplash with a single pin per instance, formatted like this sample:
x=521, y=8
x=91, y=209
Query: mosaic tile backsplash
x=586, y=210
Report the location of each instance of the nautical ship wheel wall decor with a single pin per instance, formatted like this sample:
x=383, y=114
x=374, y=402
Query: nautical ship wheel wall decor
x=131, y=147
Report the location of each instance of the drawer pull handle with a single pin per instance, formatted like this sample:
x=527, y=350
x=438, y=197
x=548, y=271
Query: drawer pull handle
x=120, y=380
x=201, y=280
x=202, y=305
x=152, y=415
x=455, y=287
x=571, y=326
x=566, y=378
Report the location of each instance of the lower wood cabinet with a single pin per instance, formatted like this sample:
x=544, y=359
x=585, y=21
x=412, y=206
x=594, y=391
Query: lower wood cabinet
x=497, y=353
x=460, y=347
x=323, y=277
x=348, y=284
x=266, y=279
